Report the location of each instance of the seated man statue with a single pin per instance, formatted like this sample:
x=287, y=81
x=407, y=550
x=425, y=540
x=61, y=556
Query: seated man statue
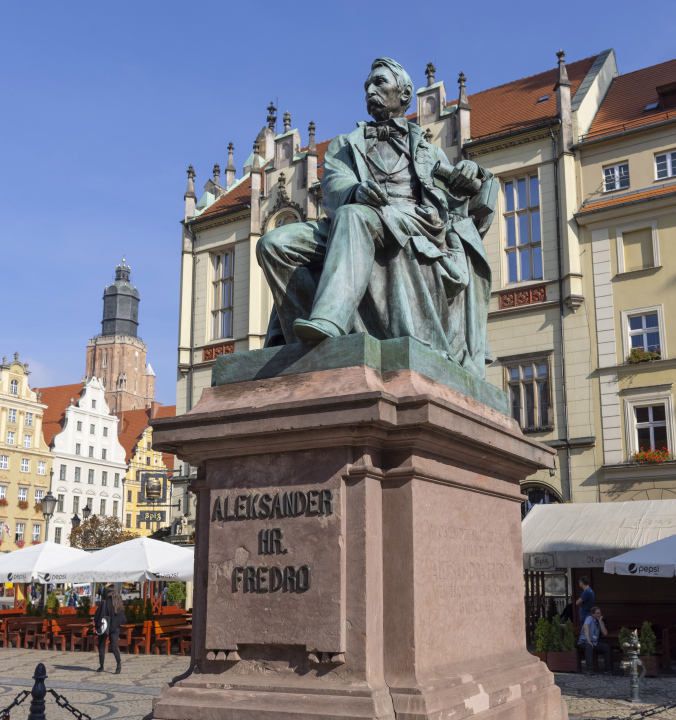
x=400, y=252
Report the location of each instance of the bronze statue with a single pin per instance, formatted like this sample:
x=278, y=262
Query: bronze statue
x=400, y=252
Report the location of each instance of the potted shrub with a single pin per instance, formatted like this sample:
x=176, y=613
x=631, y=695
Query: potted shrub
x=175, y=593
x=543, y=632
x=563, y=656
x=83, y=608
x=52, y=606
x=648, y=641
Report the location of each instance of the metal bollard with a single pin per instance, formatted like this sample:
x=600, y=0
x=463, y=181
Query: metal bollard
x=632, y=663
x=38, y=694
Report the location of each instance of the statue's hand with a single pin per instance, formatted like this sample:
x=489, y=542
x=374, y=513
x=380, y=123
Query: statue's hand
x=463, y=179
x=370, y=193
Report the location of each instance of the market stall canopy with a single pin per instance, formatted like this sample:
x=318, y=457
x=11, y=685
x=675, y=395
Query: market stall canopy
x=658, y=559
x=585, y=535
x=181, y=569
x=37, y=562
x=126, y=562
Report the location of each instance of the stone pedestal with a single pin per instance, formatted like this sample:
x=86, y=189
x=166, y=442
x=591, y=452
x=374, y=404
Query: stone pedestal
x=358, y=550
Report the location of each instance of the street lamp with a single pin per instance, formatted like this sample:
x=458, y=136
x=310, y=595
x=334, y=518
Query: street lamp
x=48, y=504
x=75, y=521
x=86, y=511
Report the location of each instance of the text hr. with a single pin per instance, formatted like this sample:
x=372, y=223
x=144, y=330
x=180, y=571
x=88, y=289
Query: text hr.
x=271, y=579
x=279, y=505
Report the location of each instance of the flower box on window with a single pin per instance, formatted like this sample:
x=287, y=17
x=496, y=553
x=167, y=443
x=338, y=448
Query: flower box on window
x=37, y=507
x=4, y=502
x=23, y=504
x=639, y=355
x=20, y=543
x=653, y=456
x=35, y=542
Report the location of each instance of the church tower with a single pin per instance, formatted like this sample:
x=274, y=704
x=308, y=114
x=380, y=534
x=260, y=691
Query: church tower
x=118, y=356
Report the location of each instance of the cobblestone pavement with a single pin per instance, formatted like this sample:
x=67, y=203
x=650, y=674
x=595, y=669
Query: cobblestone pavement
x=602, y=696
x=73, y=675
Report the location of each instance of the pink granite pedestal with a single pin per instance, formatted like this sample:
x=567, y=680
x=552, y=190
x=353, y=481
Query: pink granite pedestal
x=388, y=580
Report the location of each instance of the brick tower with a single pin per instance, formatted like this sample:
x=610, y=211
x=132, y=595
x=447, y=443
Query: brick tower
x=118, y=355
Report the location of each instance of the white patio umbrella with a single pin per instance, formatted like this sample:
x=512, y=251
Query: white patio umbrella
x=658, y=559
x=181, y=569
x=38, y=562
x=126, y=562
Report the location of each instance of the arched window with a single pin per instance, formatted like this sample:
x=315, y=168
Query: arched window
x=537, y=495
x=430, y=106
x=14, y=387
x=286, y=218
x=286, y=149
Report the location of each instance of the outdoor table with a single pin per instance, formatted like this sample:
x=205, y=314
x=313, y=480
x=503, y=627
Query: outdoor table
x=78, y=631
x=127, y=634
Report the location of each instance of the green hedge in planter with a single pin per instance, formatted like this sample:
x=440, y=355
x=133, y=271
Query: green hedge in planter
x=647, y=638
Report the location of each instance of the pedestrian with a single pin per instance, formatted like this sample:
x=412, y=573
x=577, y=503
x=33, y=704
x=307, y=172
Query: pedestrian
x=592, y=629
x=586, y=600
x=108, y=618
x=164, y=595
x=73, y=598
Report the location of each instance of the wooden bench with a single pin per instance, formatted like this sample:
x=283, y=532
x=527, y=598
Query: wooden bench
x=17, y=628
x=186, y=640
x=62, y=629
x=165, y=631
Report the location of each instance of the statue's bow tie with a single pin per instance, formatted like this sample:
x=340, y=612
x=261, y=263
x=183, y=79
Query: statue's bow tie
x=387, y=129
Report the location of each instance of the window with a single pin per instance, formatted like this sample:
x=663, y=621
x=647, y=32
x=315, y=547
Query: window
x=78, y=449
x=522, y=229
x=138, y=522
x=105, y=358
x=104, y=381
x=528, y=384
x=10, y=437
x=93, y=404
x=79, y=425
x=12, y=415
x=136, y=360
x=59, y=503
x=148, y=460
x=92, y=429
x=57, y=535
x=116, y=481
x=77, y=474
x=27, y=440
x=90, y=477
x=127, y=522
x=20, y=528
x=25, y=465
x=651, y=427
x=665, y=165
x=138, y=497
x=42, y=467
x=3, y=492
x=104, y=477
x=39, y=494
x=129, y=496
x=222, y=295
x=105, y=432
x=644, y=332
x=115, y=507
x=104, y=452
x=537, y=495
x=76, y=504
x=616, y=177
x=23, y=494
x=637, y=247
x=103, y=508
x=4, y=462
x=14, y=387
x=91, y=451
x=29, y=419
x=36, y=533
x=62, y=472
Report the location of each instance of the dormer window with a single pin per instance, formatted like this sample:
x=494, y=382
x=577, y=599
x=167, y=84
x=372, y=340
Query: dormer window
x=14, y=387
x=651, y=106
x=616, y=177
x=667, y=96
x=543, y=98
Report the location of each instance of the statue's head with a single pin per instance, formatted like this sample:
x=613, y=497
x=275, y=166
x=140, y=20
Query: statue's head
x=389, y=90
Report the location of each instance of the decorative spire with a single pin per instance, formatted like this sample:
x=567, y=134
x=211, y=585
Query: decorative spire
x=563, y=73
x=312, y=148
x=231, y=164
x=190, y=192
x=429, y=71
x=217, y=174
x=462, y=100
x=256, y=167
x=272, y=118
x=287, y=121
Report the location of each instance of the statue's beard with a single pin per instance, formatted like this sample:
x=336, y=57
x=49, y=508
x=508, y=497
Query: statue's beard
x=375, y=106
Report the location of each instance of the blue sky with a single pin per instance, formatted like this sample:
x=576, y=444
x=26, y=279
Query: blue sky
x=106, y=104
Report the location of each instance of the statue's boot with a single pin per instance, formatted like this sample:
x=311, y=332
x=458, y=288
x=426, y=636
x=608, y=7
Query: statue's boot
x=311, y=331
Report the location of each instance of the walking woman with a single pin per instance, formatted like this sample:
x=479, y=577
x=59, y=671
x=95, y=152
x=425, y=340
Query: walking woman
x=108, y=617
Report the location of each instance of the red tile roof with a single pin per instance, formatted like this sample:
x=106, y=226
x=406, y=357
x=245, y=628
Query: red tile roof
x=134, y=422
x=57, y=399
x=628, y=199
x=494, y=111
x=624, y=105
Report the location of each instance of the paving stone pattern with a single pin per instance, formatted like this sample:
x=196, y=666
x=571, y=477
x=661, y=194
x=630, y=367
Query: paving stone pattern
x=73, y=675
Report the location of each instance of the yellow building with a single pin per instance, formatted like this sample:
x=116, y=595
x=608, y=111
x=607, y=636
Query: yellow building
x=25, y=462
x=628, y=179
x=136, y=436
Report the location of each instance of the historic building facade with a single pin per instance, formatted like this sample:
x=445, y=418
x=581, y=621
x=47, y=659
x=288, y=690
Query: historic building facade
x=540, y=326
x=628, y=230
x=25, y=461
x=118, y=356
x=89, y=461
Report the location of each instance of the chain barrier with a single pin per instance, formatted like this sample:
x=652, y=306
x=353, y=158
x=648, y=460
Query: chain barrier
x=61, y=701
x=649, y=712
x=4, y=714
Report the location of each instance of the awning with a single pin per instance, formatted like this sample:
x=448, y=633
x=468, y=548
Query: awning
x=584, y=535
x=125, y=562
x=657, y=559
x=37, y=562
x=182, y=569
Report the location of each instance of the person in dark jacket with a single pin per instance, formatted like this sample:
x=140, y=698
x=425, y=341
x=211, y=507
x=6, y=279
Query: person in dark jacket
x=112, y=602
